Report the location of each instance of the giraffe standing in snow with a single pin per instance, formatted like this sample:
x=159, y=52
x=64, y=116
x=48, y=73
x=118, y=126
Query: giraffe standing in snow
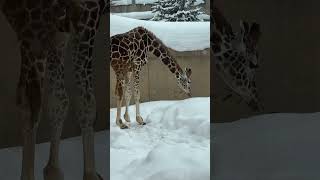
x=128, y=55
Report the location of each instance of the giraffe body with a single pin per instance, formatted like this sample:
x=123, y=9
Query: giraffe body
x=129, y=53
x=43, y=28
x=236, y=57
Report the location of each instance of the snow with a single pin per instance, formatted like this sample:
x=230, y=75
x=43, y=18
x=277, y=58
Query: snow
x=148, y=15
x=70, y=159
x=128, y=2
x=180, y=36
x=272, y=146
x=174, y=144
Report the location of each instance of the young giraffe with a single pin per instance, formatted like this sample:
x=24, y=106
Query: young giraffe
x=236, y=57
x=128, y=55
x=43, y=28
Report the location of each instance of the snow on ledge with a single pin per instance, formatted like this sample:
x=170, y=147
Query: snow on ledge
x=129, y=2
x=180, y=36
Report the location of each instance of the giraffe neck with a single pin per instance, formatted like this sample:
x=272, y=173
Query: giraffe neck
x=155, y=46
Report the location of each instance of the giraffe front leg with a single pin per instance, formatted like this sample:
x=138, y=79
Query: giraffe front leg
x=139, y=119
x=29, y=101
x=128, y=94
x=85, y=101
x=58, y=102
x=119, y=94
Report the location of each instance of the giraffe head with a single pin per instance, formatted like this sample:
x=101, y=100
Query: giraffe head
x=184, y=80
x=249, y=37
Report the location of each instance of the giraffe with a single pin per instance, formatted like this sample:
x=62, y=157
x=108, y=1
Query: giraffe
x=43, y=29
x=129, y=53
x=236, y=57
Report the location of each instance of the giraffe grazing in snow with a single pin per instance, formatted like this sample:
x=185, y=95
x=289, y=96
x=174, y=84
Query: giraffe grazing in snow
x=128, y=55
x=236, y=57
x=43, y=28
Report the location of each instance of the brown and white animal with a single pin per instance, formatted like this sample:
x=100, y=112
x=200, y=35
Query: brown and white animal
x=43, y=28
x=236, y=57
x=128, y=54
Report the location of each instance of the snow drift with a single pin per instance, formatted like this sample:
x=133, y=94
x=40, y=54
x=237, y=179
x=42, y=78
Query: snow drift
x=174, y=144
x=268, y=147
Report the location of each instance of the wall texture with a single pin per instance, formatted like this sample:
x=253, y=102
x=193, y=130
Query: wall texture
x=158, y=83
x=289, y=77
x=10, y=124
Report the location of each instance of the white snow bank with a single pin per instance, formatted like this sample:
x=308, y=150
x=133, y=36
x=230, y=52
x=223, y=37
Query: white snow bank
x=180, y=36
x=71, y=159
x=174, y=144
x=273, y=146
x=127, y=2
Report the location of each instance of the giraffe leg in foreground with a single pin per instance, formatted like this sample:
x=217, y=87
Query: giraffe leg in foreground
x=119, y=94
x=29, y=100
x=139, y=119
x=128, y=94
x=57, y=110
x=85, y=102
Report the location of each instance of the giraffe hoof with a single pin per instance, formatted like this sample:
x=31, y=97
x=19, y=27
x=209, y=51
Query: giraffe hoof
x=92, y=176
x=126, y=117
x=52, y=173
x=123, y=126
x=139, y=120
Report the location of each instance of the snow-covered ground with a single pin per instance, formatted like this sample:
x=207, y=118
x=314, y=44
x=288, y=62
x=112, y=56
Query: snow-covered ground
x=145, y=15
x=267, y=147
x=173, y=145
x=127, y=2
x=70, y=159
x=180, y=36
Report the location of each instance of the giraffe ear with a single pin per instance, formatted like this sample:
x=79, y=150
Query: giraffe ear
x=188, y=72
x=244, y=27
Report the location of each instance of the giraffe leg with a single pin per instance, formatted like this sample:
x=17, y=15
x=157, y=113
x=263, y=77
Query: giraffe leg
x=139, y=119
x=85, y=101
x=128, y=94
x=29, y=100
x=58, y=102
x=119, y=94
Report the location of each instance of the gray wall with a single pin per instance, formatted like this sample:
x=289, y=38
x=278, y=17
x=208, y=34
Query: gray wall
x=289, y=78
x=10, y=123
x=158, y=83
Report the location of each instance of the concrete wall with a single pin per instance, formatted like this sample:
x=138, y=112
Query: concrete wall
x=10, y=123
x=158, y=83
x=289, y=78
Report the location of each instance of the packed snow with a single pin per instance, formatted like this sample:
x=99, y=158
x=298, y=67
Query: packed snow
x=268, y=147
x=146, y=15
x=128, y=2
x=174, y=143
x=180, y=36
x=71, y=159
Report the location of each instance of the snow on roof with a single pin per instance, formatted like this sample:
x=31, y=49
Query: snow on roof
x=149, y=14
x=180, y=36
x=128, y=2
